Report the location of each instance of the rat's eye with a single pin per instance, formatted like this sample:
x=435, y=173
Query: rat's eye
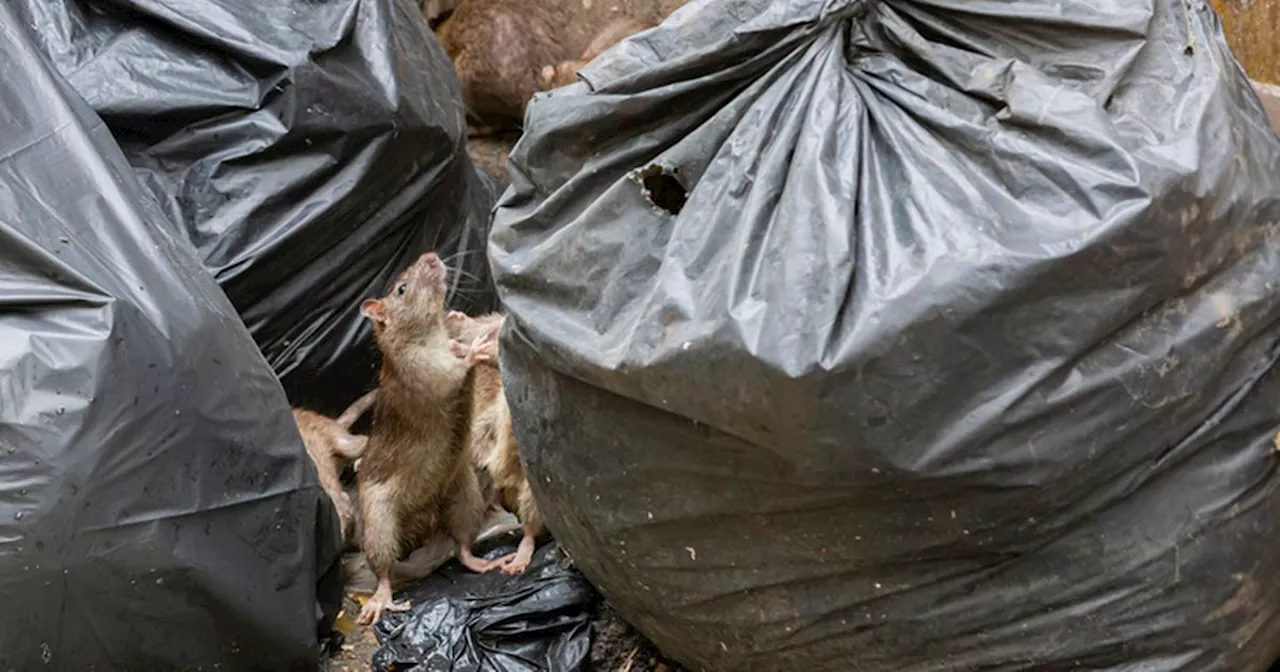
x=401, y=290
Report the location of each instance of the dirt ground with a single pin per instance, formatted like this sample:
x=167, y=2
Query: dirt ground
x=617, y=647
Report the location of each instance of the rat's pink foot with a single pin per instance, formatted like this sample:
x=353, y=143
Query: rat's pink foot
x=379, y=602
x=475, y=564
x=522, y=557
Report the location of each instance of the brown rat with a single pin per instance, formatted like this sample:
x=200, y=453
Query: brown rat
x=493, y=445
x=565, y=72
x=498, y=48
x=464, y=329
x=330, y=444
x=414, y=480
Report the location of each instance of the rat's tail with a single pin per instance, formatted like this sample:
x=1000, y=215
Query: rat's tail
x=357, y=409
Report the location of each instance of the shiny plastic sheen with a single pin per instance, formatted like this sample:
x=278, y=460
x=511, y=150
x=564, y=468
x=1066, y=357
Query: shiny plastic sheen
x=309, y=150
x=157, y=507
x=908, y=335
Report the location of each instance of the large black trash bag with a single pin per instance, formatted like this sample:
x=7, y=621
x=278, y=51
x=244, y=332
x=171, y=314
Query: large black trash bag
x=539, y=621
x=957, y=356
x=309, y=150
x=157, y=508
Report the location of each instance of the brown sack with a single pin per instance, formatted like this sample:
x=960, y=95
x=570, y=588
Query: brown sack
x=1270, y=95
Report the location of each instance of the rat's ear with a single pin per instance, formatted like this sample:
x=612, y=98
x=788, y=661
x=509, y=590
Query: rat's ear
x=374, y=309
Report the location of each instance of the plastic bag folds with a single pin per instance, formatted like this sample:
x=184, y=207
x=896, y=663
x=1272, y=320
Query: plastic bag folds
x=308, y=150
x=907, y=335
x=157, y=508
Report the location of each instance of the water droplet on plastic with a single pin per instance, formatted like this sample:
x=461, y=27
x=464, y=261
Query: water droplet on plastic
x=61, y=410
x=17, y=516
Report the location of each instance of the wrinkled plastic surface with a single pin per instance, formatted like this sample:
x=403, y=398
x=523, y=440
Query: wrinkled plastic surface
x=959, y=355
x=157, y=509
x=309, y=151
x=539, y=621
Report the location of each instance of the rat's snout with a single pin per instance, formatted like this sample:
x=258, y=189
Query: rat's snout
x=430, y=269
x=427, y=268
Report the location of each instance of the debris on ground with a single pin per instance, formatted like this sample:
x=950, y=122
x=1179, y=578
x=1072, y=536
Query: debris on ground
x=617, y=647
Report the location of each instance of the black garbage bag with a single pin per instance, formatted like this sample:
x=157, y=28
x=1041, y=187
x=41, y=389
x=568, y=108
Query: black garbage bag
x=157, y=508
x=908, y=335
x=309, y=150
x=539, y=621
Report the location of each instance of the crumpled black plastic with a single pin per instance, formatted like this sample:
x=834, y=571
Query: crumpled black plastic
x=907, y=336
x=459, y=620
x=157, y=508
x=308, y=150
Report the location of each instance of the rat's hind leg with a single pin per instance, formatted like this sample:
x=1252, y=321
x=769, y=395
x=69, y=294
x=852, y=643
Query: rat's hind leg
x=463, y=517
x=380, y=518
x=531, y=520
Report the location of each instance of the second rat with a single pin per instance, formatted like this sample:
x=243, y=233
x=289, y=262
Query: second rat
x=330, y=443
x=493, y=447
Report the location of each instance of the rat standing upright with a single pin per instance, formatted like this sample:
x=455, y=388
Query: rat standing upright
x=493, y=445
x=414, y=480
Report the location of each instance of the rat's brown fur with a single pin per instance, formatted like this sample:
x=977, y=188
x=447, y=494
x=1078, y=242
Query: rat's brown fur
x=498, y=48
x=565, y=72
x=464, y=329
x=493, y=445
x=331, y=445
x=414, y=480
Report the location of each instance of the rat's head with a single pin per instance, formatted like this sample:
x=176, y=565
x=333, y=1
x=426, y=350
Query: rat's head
x=416, y=300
